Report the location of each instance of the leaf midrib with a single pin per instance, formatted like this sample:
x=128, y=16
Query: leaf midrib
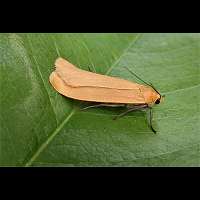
x=56, y=131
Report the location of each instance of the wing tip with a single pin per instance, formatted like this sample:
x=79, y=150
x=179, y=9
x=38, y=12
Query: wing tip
x=61, y=62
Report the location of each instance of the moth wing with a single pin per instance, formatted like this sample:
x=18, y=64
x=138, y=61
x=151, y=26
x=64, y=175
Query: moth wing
x=76, y=77
x=96, y=94
x=75, y=83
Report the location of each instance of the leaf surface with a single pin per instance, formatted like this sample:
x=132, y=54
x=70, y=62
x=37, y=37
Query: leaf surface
x=39, y=127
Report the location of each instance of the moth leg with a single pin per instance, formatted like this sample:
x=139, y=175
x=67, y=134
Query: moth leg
x=139, y=107
x=150, y=120
x=93, y=106
x=103, y=105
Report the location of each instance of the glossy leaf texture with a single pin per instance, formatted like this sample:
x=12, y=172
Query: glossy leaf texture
x=39, y=127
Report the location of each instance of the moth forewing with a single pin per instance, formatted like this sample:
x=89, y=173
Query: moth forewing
x=78, y=84
x=75, y=77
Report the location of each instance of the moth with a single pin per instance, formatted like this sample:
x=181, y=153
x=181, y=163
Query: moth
x=103, y=90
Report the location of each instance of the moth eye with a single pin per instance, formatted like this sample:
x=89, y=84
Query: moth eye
x=157, y=101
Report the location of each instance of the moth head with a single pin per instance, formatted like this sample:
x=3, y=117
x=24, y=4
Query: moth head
x=160, y=99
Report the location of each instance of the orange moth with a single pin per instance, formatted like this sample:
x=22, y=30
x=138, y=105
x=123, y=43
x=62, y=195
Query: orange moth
x=79, y=84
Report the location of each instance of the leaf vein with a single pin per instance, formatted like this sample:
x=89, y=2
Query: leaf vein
x=178, y=90
x=50, y=138
x=124, y=52
x=37, y=66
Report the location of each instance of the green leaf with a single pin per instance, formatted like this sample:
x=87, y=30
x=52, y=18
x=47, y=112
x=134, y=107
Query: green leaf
x=39, y=127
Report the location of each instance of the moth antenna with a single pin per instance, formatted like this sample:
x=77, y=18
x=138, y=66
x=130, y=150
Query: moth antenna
x=137, y=76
